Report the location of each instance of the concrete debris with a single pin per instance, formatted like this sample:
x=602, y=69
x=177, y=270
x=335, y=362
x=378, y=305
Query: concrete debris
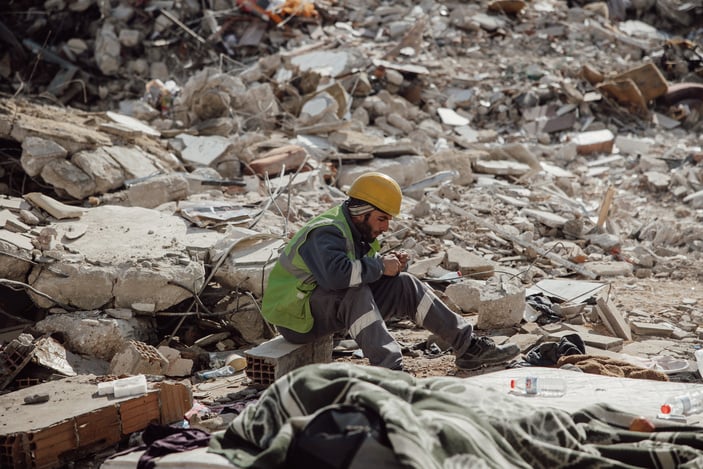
x=157, y=160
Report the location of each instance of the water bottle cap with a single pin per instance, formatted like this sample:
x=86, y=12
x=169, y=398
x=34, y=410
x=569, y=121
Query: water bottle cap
x=512, y=384
x=666, y=409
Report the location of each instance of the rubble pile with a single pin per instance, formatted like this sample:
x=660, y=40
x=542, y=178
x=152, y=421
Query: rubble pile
x=157, y=155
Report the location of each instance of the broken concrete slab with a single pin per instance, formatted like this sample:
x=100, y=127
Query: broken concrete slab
x=245, y=258
x=37, y=152
x=501, y=167
x=499, y=304
x=131, y=124
x=67, y=129
x=613, y=319
x=470, y=265
x=661, y=329
x=591, y=339
x=271, y=163
x=15, y=255
x=549, y=219
x=570, y=291
x=107, y=174
x=605, y=269
x=421, y=267
x=355, y=142
x=126, y=256
x=458, y=161
x=95, y=334
x=53, y=207
x=404, y=169
x=68, y=177
x=203, y=151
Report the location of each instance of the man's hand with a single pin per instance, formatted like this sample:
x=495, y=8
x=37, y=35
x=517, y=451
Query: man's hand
x=402, y=257
x=391, y=265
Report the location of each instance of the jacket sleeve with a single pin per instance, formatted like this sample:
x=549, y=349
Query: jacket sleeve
x=324, y=252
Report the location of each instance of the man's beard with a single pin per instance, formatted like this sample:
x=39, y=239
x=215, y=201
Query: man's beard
x=365, y=230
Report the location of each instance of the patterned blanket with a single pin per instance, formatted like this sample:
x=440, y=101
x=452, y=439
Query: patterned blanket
x=447, y=422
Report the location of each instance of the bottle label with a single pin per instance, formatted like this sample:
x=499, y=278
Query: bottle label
x=686, y=404
x=531, y=385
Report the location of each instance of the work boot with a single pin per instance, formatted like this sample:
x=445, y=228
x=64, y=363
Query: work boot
x=484, y=352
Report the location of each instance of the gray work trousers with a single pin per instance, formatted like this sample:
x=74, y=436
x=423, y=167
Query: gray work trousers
x=361, y=312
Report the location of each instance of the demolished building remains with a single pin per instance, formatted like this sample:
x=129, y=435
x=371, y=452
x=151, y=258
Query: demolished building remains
x=156, y=161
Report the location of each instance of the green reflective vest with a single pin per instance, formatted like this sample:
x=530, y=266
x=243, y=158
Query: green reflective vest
x=286, y=299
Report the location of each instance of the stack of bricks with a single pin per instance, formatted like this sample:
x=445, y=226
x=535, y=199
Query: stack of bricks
x=14, y=357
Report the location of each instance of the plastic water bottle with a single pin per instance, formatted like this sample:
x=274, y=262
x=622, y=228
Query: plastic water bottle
x=684, y=404
x=538, y=386
x=129, y=386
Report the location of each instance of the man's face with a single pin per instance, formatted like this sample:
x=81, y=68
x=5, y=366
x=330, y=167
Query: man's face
x=372, y=224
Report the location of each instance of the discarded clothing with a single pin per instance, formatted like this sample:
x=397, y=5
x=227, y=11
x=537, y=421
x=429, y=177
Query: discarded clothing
x=449, y=422
x=161, y=440
x=611, y=367
x=544, y=306
x=548, y=354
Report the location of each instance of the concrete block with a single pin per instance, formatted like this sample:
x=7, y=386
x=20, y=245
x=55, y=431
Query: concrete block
x=549, y=219
x=272, y=359
x=465, y=294
x=501, y=306
x=177, y=366
x=138, y=358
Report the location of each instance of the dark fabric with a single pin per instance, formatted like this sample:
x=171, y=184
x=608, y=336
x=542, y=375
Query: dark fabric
x=163, y=439
x=545, y=307
x=334, y=437
x=448, y=422
x=548, y=354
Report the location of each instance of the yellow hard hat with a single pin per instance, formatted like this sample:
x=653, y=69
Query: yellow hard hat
x=379, y=190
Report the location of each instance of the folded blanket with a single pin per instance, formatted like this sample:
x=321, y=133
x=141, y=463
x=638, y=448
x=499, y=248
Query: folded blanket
x=445, y=422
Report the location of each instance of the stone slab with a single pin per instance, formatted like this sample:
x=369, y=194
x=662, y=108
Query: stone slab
x=609, y=312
